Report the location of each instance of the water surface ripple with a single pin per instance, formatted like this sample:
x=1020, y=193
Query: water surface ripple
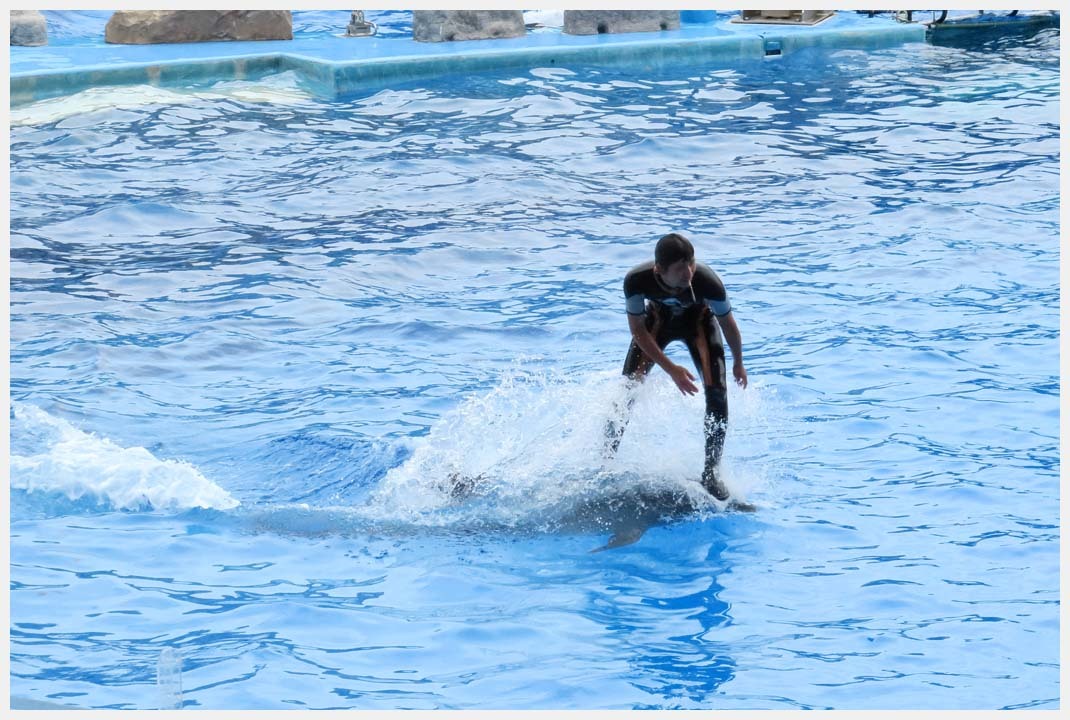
x=252, y=333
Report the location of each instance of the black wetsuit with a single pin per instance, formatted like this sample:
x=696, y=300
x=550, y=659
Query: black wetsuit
x=689, y=315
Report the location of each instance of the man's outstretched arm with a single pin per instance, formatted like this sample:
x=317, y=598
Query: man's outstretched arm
x=735, y=342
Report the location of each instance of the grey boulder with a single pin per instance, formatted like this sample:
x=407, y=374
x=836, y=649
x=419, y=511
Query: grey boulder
x=28, y=27
x=146, y=27
x=447, y=25
x=596, y=22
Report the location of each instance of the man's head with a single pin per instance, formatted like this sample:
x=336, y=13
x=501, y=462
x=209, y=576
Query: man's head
x=674, y=260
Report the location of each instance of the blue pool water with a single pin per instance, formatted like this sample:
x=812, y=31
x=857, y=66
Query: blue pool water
x=253, y=333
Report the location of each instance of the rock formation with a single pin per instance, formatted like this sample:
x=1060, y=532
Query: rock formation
x=28, y=27
x=594, y=22
x=143, y=27
x=446, y=25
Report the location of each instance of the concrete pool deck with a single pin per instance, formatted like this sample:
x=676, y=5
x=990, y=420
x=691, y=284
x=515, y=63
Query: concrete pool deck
x=333, y=66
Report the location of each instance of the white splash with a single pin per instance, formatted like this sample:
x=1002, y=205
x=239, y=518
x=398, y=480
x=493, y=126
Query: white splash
x=49, y=455
x=536, y=441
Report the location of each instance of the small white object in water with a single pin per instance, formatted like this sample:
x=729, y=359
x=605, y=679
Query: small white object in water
x=169, y=679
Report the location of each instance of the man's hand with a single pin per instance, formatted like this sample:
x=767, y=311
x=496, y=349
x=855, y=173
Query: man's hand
x=683, y=379
x=740, y=373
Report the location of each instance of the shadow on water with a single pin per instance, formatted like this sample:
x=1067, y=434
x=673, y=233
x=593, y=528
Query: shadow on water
x=702, y=665
x=672, y=639
x=999, y=37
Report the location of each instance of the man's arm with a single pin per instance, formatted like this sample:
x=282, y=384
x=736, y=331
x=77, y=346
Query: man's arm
x=680, y=375
x=735, y=343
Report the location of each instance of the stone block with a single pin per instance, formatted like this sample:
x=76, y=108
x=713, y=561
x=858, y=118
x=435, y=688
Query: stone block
x=596, y=22
x=28, y=27
x=146, y=27
x=447, y=25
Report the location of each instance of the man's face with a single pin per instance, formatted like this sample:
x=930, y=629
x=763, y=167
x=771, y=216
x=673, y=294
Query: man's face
x=678, y=275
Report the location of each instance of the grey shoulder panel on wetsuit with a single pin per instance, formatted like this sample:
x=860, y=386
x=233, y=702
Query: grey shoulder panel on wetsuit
x=708, y=286
x=637, y=284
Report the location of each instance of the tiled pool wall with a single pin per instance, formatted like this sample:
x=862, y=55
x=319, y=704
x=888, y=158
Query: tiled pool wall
x=30, y=87
x=337, y=78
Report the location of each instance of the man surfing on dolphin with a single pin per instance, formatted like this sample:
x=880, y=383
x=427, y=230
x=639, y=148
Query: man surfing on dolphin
x=671, y=298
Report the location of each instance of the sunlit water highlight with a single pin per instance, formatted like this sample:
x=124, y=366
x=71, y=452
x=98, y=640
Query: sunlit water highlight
x=254, y=334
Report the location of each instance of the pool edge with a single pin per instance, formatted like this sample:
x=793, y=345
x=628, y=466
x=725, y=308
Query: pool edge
x=331, y=79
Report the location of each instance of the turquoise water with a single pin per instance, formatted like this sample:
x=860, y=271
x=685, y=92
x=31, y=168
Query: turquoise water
x=253, y=333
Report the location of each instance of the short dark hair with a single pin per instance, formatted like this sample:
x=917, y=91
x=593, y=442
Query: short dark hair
x=673, y=247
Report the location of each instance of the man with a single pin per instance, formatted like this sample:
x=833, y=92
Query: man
x=676, y=298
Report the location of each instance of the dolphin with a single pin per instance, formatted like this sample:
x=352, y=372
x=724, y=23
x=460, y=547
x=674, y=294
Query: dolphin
x=624, y=504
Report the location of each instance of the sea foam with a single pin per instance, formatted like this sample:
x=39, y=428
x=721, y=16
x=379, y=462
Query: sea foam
x=51, y=456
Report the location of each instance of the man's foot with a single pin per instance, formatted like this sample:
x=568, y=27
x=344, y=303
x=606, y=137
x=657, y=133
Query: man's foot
x=714, y=486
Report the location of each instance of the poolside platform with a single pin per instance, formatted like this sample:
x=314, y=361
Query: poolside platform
x=333, y=66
